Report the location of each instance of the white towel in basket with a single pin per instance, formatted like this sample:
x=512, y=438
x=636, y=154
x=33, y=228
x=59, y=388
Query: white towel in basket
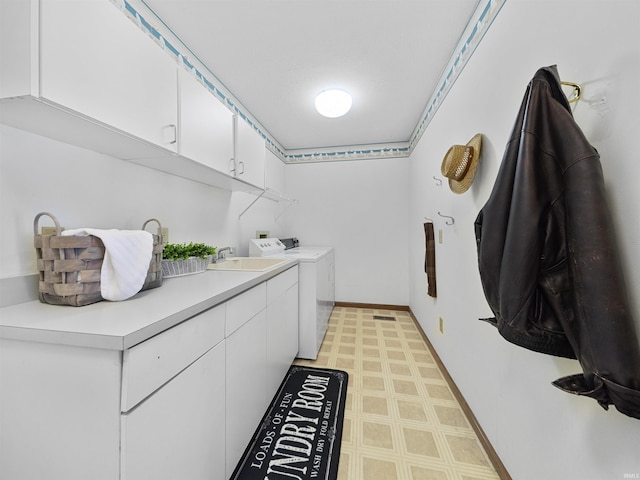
x=126, y=260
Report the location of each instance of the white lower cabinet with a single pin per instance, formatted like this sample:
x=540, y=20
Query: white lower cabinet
x=173, y=402
x=282, y=327
x=246, y=385
x=261, y=345
x=182, y=404
x=59, y=412
x=178, y=432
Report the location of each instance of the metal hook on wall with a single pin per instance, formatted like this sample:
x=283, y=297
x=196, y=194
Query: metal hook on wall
x=577, y=91
x=453, y=220
x=438, y=181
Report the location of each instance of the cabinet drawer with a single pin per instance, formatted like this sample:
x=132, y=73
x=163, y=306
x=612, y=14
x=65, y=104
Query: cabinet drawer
x=244, y=307
x=149, y=365
x=178, y=432
x=280, y=284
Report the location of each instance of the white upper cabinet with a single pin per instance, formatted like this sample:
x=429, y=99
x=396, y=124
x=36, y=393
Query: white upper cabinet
x=274, y=173
x=249, y=154
x=94, y=61
x=206, y=125
x=83, y=73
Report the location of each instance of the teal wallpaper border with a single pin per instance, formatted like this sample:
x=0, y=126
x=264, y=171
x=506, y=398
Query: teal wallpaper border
x=482, y=18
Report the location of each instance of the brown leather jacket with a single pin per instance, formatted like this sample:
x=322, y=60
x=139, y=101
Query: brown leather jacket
x=547, y=252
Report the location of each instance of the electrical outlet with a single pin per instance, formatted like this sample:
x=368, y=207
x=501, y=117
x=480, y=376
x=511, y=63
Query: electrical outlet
x=441, y=324
x=262, y=234
x=165, y=235
x=440, y=235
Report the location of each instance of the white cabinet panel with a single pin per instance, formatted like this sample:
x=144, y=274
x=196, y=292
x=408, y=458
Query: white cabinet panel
x=206, y=125
x=179, y=432
x=245, y=386
x=59, y=412
x=94, y=61
x=249, y=154
x=18, y=49
x=274, y=177
x=149, y=365
x=281, y=283
x=282, y=337
x=243, y=307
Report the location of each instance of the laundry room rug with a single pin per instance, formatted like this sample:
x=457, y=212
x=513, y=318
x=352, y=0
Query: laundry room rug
x=299, y=436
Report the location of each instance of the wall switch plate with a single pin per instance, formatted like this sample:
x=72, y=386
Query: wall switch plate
x=165, y=235
x=262, y=234
x=440, y=235
x=441, y=324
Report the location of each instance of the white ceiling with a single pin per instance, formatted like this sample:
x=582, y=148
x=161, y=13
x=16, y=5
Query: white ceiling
x=274, y=56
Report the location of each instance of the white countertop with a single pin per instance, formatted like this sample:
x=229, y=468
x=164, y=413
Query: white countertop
x=120, y=325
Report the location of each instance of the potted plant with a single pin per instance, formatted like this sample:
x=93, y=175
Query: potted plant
x=184, y=259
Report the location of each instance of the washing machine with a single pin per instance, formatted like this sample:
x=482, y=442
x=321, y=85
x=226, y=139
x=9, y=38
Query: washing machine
x=316, y=286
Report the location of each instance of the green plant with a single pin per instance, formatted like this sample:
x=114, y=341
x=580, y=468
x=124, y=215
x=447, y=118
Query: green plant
x=181, y=251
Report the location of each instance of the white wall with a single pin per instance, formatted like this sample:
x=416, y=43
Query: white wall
x=86, y=189
x=360, y=208
x=538, y=431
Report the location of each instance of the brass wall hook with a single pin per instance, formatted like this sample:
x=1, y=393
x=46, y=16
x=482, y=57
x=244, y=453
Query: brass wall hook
x=577, y=91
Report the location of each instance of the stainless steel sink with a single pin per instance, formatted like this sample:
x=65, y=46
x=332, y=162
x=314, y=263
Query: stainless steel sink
x=247, y=264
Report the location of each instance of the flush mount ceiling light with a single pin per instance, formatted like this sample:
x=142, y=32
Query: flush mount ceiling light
x=333, y=103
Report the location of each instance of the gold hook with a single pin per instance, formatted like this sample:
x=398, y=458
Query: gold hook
x=577, y=91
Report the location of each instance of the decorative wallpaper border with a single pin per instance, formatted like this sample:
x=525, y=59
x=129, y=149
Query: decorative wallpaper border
x=482, y=18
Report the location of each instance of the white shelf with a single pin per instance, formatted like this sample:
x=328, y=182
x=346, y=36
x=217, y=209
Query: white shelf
x=269, y=194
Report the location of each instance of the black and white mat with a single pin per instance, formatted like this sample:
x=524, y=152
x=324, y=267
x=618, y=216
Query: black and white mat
x=299, y=435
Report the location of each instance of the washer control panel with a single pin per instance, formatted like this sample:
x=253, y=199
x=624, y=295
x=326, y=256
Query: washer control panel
x=262, y=247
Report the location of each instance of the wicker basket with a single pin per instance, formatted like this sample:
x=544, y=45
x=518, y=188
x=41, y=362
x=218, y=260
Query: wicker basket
x=70, y=266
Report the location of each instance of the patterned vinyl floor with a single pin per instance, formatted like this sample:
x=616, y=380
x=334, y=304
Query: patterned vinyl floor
x=401, y=420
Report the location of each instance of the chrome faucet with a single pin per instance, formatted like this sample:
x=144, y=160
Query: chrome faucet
x=222, y=253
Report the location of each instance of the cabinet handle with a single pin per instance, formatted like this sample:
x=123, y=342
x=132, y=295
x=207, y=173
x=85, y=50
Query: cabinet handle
x=241, y=164
x=232, y=165
x=175, y=134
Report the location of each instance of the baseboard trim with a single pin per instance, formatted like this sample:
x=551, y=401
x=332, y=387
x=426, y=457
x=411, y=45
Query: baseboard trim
x=381, y=306
x=501, y=470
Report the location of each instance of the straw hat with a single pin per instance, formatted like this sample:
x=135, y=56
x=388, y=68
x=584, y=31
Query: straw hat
x=460, y=163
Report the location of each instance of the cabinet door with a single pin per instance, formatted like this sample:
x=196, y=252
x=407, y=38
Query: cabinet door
x=282, y=337
x=206, y=125
x=59, y=412
x=249, y=154
x=245, y=386
x=179, y=431
x=274, y=177
x=95, y=61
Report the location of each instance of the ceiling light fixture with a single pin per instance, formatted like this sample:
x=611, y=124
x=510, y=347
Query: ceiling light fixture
x=333, y=103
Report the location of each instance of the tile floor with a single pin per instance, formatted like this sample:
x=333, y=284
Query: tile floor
x=402, y=420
